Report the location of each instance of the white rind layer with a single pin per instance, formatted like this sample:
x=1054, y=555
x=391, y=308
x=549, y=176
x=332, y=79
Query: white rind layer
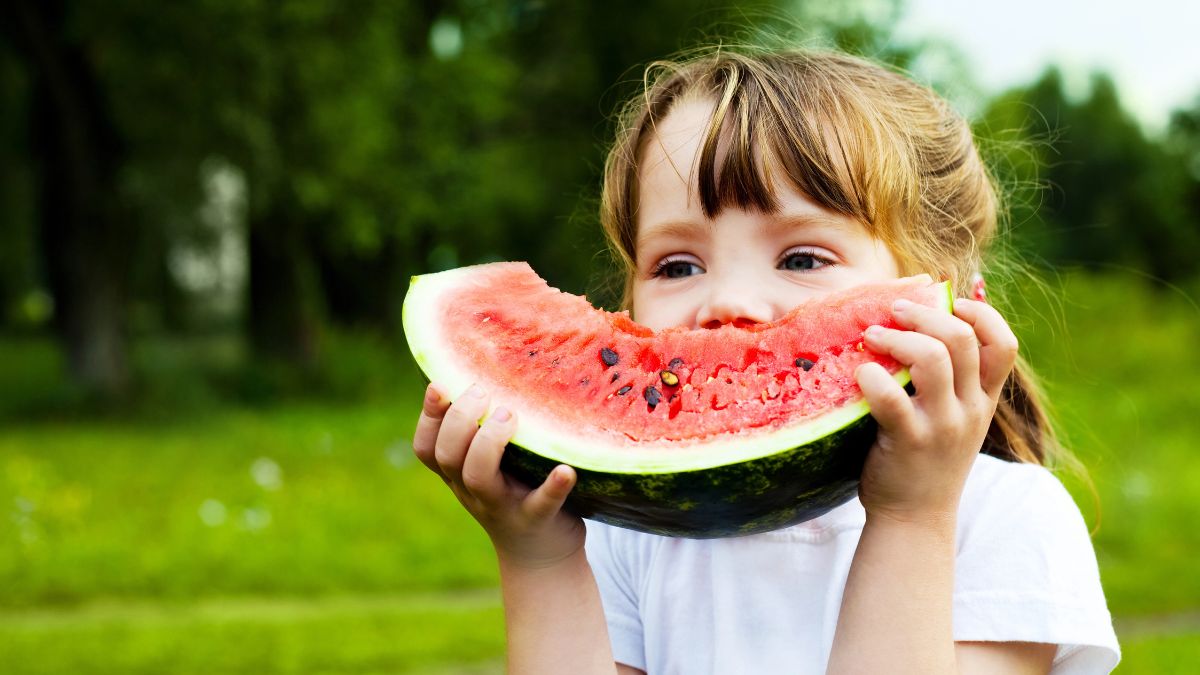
x=549, y=437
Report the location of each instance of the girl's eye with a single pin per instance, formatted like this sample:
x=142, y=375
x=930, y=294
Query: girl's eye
x=676, y=269
x=799, y=261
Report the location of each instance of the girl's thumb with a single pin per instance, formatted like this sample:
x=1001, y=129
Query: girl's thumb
x=549, y=497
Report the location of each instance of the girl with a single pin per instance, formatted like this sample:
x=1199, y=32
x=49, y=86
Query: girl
x=738, y=187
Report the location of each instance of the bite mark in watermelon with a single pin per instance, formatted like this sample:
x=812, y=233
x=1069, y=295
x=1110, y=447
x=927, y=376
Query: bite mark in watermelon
x=695, y=433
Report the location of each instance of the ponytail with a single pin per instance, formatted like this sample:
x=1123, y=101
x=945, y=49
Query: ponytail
x=1021, y=429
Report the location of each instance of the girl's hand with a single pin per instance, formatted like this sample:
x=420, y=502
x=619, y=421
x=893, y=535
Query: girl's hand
x=928, y=442
x=527, y=527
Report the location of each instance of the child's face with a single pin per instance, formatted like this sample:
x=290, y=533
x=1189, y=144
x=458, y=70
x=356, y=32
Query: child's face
x=742, y=266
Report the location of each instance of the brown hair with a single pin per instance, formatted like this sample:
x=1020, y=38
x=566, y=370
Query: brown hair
x=857, y=139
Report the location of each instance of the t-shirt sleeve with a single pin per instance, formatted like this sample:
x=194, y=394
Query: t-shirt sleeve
x=1026, y=569
x=616, y=557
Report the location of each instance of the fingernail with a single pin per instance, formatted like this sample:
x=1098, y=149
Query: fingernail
x=502, y=414
x=433, y=393
x=901, y=305
x=872, y=331
x=476, y=391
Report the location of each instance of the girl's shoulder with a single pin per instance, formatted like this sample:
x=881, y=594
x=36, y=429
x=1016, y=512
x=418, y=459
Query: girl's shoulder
x=1022, y=513
x=1000, y=491
x=1021, y=535
x=1025, y=567
x=991, y=470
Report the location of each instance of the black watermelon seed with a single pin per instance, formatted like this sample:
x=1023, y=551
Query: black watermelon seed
x=533, y=353
x=624, y=390
x=585, y=381
x=668, y=378
x=652, y=396
x=608, y=356
x=675, y=363
x=805, y=364
x=615, y=377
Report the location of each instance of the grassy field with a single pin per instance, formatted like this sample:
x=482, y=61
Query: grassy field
x=302, y=537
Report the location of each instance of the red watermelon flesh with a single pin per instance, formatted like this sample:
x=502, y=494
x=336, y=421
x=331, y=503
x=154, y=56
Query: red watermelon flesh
x=596, y=372
x=694, y=433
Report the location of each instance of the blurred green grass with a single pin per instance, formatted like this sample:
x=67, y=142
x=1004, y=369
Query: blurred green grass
x=302, y=499
x=1116, y=359
x=302, y=536
x=378, y=634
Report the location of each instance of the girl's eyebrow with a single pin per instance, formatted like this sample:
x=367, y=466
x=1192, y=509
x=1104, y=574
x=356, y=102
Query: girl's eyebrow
x=773, y=224
x=677, y=229
x=789, y=221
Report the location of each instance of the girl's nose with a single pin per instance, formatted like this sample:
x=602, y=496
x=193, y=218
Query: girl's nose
x=736, y=304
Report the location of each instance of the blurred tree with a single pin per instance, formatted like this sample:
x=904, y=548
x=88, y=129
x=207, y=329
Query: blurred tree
x=84, y=227
x=1092, y=188
x=18, y=272
x=368, y=142
x=1183, y=142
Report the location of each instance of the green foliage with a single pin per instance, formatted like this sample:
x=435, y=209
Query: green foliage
x=375, y=141
x=370, y=153
x=18, y=273
x=1087, y=186
x=180, y=377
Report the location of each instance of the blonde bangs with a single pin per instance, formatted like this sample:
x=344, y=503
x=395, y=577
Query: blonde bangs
x=808, y=121
x=766, y=130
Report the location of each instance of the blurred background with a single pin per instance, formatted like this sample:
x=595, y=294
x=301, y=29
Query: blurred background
x=209, y=213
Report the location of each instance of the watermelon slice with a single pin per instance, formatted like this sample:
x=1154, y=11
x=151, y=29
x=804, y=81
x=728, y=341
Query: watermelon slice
x=695, y=433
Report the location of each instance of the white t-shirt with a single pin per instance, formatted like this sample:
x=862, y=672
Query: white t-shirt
x=768, y=603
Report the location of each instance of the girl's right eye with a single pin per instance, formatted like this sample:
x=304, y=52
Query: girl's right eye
x=676, y=269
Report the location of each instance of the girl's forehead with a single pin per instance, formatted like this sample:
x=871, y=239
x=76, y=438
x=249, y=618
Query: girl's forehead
x=670, y=157
x=668, y=178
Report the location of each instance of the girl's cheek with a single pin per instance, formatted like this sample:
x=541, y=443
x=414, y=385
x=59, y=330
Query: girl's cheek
x=661, y=306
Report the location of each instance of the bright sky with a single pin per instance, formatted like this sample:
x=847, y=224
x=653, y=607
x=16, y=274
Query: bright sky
x=1150, y=47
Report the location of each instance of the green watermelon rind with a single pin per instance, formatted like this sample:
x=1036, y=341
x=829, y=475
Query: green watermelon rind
x=759, y=495
x=732, y=484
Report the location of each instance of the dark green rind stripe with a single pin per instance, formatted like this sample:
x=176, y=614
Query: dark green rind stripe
x=787, y=487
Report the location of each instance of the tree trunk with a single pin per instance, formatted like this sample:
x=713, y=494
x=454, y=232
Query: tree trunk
x=285, y=296
x=83, y=235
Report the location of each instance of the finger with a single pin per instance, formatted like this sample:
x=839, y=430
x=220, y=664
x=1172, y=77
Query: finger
x=458, y=429
x=998, y=345
x=889, y=403
x=430, y=422
x=956, y=334
x=927, y=359
x=546, y=501
x=481, y=469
